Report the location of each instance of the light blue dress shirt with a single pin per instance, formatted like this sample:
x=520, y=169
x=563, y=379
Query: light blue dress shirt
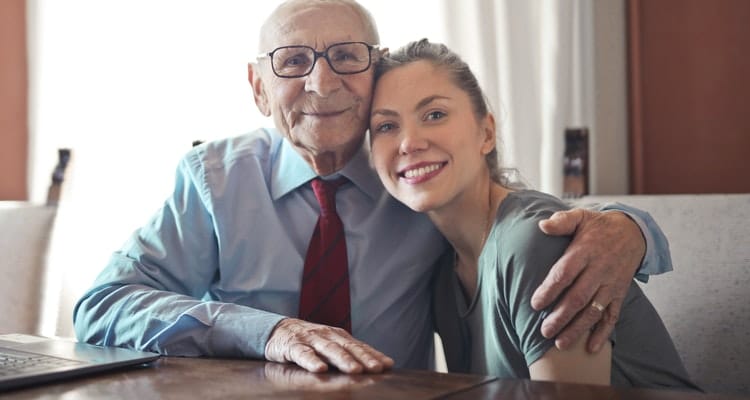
x=219, y=265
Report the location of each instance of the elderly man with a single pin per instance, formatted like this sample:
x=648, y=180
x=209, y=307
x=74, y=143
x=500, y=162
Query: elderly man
x=228, y=262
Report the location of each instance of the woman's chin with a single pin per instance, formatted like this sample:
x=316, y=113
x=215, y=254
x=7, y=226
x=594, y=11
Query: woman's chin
x=419, y=206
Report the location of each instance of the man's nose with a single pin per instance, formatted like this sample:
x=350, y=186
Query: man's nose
x=322, y=79
x=412, y=140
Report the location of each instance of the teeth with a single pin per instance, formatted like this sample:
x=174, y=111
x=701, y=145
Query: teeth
x=413, y=173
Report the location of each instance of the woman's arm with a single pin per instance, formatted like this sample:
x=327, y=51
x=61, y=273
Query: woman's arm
x=574, y=364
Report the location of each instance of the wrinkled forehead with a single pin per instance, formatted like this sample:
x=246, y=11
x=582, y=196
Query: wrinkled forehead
x=315, y=24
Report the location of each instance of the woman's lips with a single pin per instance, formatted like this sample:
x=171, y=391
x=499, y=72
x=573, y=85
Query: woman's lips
x=421, y=172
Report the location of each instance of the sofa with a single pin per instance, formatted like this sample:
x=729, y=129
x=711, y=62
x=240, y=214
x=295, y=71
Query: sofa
x=705, y=301
x=25, y=231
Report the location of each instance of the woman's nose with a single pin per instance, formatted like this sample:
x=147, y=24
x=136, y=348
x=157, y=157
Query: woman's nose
x=412, y=141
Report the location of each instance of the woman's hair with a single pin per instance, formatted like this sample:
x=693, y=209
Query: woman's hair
x=441, y=56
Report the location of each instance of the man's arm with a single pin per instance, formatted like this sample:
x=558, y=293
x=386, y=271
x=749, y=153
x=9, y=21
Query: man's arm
x=151, y=297
x=596, y=270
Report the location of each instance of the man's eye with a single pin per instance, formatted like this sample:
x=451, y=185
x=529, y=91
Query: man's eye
x=343, y=56
x=296, y=61
x=435, y=115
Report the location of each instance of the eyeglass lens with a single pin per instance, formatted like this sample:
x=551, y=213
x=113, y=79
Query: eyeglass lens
x=344, y=58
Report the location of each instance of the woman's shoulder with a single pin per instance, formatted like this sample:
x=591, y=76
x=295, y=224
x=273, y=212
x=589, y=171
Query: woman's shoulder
x=531, y=204
x=517, y=235
x=522, y=210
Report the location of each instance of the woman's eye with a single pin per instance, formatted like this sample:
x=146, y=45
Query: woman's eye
x=384, y=127
x=435, y=115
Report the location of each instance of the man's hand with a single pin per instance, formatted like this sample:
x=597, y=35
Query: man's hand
x=314, y=347
x=596, y=269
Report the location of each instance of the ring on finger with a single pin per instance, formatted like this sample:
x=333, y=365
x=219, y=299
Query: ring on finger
x=599, y=307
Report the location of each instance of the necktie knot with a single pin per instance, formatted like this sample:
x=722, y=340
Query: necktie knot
x=325, y=192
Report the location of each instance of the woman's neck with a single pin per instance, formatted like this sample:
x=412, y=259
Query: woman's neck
x=466, y=222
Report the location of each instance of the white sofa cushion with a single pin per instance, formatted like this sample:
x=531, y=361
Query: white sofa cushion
x=705, y=301
x=24, y=237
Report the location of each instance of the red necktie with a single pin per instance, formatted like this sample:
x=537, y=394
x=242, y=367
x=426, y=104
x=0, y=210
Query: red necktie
x=325, y=281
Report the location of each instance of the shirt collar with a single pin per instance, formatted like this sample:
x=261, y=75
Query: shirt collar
x=291, y=171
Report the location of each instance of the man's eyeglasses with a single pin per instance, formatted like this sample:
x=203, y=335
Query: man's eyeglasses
x=345, y=58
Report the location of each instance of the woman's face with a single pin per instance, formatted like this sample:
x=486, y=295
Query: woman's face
x=427, y=144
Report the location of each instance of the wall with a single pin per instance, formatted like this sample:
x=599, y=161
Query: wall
x=689, y=91
x=13, y=99
x=609, y=139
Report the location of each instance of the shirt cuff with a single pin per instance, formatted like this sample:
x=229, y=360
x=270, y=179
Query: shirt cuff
x=241, y=331
x=657, y=259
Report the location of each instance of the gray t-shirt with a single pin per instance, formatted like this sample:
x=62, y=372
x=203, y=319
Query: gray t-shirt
x=499, y=334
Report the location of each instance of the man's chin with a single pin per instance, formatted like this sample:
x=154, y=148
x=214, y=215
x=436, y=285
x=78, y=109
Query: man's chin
x=329, y=131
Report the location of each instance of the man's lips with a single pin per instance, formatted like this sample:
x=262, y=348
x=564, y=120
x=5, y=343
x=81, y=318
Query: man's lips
x=420, y=170
x=324, y=114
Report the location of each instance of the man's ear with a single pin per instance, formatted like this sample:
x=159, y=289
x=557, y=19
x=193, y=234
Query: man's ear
x=259, y=92
x=490, y=135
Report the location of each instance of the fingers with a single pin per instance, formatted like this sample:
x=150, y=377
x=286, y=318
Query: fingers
x=336, y=347
x=372, y=360
x=597, y=265
x=569, y=266
x=563, y=222
x=604, y=328
x=574, y=304
x=560, y=277
x=585, y=320
x=283, y=346
x=314, y=347
x=305, y=356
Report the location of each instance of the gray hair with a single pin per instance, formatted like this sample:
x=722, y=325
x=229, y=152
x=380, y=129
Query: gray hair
x=442, y=57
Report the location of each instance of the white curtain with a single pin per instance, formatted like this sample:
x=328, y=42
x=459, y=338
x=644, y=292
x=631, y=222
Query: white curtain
x=129, y=84
x=534, y=60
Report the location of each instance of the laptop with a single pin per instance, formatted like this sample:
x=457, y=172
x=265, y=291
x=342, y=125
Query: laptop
x=27, y=360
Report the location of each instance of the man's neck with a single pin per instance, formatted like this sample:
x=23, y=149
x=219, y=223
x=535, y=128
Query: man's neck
x=330, y=162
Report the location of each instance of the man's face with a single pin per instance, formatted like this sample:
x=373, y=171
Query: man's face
x=324, y=114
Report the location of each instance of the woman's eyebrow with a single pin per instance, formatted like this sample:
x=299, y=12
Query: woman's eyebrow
x=384, y=111
x=424, y=102
x=429, y=99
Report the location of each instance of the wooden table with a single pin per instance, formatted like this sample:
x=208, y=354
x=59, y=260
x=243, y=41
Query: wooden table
x=203, y=378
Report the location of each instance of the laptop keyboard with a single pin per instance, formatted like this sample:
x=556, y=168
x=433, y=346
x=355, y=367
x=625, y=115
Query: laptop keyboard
x=18, y=362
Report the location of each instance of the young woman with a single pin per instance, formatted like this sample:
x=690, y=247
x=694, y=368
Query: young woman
x=433, y=145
